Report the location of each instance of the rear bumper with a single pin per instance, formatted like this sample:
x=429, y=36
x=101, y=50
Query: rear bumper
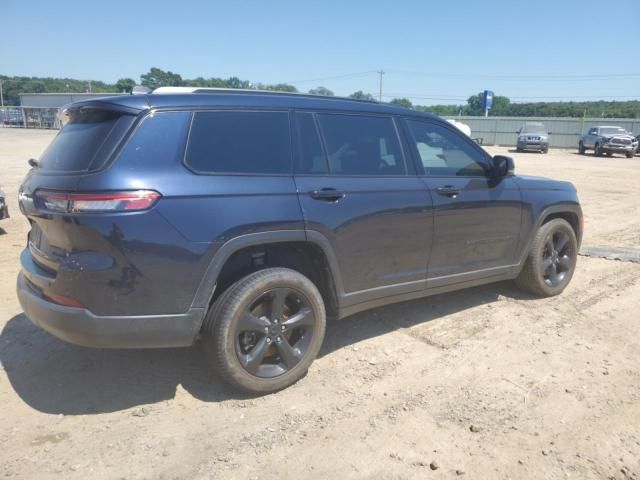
x=80, y=326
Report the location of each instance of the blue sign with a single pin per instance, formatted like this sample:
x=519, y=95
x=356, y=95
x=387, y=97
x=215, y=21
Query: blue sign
x=488, y=99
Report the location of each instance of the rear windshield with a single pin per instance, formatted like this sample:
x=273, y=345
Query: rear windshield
x=76, y=146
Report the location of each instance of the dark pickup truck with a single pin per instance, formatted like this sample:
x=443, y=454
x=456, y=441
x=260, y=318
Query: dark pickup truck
x=248, y=218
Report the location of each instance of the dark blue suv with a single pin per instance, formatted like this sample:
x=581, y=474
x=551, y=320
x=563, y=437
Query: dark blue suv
x=250, y=218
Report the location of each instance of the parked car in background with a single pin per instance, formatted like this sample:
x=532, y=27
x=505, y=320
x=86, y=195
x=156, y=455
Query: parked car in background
x=463, y=127
x=249, y=218
x=533, y=136
x=4, y=210
x=607, y=140
x=637, y=144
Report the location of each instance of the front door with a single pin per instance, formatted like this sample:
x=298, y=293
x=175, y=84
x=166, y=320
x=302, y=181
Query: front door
x=476, y=217
x=356, y=191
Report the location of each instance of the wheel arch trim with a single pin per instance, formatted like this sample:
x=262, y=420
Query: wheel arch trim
x=207, y=285
x=565, y=207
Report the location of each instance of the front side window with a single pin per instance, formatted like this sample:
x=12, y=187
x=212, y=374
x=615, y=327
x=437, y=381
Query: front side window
x=239, y=142
x=446, y=153
x=361, y=145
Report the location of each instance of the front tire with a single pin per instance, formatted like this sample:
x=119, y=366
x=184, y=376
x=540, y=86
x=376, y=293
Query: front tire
x=597, y=151
x=266, y=330
x=581, y=149
x=551, y=261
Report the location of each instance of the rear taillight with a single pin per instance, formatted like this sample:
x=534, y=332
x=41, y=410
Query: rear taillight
x=127, y=201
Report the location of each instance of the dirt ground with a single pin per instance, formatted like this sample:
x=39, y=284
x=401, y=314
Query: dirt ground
x=485, y=383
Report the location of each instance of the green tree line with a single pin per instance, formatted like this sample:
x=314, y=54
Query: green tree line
x=502, y=106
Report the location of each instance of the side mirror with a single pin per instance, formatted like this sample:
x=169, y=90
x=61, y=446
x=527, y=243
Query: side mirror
x=503, y=166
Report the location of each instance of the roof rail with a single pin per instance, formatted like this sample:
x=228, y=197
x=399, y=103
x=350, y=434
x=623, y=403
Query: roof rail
x=182, y=90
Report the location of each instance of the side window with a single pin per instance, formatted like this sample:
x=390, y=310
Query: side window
x=239, y=142
x=445, y=153
x=593, y=131
x=361, y=145
x=311, y=158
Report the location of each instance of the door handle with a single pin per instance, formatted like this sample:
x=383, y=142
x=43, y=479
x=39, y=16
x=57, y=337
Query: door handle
x=326, y=194
x=448, y=191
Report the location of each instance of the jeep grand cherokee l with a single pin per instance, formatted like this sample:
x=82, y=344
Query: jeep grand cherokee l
x=249, y=218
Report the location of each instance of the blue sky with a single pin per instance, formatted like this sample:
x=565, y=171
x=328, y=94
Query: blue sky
x=432, y=51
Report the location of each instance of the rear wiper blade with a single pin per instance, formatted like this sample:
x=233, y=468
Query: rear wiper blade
x=34, y=163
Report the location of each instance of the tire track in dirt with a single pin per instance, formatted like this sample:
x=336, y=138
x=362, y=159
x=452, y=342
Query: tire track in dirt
x=604, y=286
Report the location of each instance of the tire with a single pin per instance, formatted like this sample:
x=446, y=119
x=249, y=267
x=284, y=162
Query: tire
x=248, y=335
x=596, y=150
x=629, y=155
x=544, y=150
x=518, y=149
x=559, y=258
x=581, y=149
x=609, y=154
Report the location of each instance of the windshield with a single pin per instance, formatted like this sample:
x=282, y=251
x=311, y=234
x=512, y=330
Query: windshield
x=612, y=131
x=533, y=128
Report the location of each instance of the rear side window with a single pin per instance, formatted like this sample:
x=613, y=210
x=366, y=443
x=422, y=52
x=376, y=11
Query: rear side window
x=361, y=145
x=239, y=142
x=82, y=142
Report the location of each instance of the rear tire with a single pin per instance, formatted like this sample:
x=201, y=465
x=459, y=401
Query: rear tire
x=265, y=330
x=551, y=262
x=629, y=155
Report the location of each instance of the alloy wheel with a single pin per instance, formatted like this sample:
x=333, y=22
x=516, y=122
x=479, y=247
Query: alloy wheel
x=557, y=258
x=274, y=332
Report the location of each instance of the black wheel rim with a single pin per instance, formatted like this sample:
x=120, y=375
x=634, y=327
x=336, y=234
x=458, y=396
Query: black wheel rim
x=274, y=332
x=557, y=258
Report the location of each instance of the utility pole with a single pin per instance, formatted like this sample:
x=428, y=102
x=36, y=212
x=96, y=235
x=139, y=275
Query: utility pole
x=381, y=73
x=1, y=95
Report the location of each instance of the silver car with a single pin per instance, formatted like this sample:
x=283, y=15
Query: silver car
x=533, y=136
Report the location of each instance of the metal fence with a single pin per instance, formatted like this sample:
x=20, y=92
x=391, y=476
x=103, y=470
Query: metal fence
x=29, y=117
x=564, y=132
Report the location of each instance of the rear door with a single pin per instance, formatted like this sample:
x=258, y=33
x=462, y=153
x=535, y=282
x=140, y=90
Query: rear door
x=357, y=190
x=476, y=217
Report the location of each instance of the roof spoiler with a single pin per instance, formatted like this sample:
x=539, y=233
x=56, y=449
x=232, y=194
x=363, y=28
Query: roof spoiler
x=124, y=104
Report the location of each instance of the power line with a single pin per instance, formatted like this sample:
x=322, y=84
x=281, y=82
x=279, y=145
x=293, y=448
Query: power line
x=334, y=77
x=592, y=76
